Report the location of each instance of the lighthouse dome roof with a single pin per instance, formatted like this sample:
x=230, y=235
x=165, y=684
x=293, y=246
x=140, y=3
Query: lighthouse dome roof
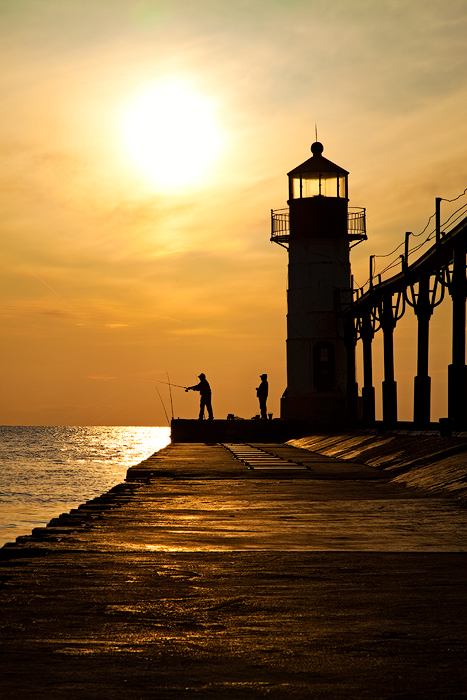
x=317, y=163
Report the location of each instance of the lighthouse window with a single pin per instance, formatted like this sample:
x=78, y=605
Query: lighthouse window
x=310, y=185
x=330, y=185
x=342, y=187
x=326, y=184
x=324, y=366
x=296, y=188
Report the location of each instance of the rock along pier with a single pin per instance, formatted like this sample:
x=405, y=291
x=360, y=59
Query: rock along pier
x=248, y=570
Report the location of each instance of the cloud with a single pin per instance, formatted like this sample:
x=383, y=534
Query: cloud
x=104, y=378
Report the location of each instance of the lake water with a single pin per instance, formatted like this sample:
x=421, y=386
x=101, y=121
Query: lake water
x=46, y=471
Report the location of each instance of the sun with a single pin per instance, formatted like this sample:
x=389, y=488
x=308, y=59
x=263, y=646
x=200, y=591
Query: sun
x=171, y=133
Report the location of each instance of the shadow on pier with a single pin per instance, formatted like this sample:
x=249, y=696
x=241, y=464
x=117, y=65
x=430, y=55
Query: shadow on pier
x=275, y=430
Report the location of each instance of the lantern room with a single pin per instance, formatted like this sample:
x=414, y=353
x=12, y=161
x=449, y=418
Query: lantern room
x=318, y=177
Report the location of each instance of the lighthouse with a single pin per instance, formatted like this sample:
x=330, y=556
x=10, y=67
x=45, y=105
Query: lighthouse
x=317, y=228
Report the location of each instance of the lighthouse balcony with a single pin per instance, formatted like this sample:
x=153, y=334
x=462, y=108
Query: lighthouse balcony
x=280, y=225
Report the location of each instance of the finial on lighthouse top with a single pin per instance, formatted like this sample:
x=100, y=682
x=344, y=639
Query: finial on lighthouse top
x=317, y=148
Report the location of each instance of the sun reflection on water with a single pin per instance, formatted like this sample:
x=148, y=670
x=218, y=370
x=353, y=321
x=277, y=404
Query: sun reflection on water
x=47, y=470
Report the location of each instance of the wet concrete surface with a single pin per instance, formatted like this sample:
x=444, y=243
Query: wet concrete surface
x=426, y=460
x=217, y=581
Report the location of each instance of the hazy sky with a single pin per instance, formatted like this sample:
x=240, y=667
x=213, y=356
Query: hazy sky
x=111, y=277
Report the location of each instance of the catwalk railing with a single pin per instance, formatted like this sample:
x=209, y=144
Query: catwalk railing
x=280, y=225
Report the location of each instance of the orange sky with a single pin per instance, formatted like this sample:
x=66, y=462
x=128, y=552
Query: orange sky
x=110, y=279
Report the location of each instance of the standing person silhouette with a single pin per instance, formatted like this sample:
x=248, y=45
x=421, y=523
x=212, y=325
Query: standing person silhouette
x=262, y=394
x=205, y=396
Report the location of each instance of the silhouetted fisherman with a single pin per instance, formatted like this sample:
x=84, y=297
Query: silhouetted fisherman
x=262, y=394
x=205, y=392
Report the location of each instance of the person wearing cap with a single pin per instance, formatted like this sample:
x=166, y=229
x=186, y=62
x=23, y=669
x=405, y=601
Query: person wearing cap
x=205, y=396
x=262, y=394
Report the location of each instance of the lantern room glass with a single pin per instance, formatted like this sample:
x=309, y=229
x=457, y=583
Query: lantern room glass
x=317, y=184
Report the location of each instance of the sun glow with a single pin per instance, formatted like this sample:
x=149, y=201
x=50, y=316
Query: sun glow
x=171, y=133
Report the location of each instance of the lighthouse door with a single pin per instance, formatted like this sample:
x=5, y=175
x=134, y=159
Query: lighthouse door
x=324, y=366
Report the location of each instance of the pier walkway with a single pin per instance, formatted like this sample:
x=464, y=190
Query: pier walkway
x=280, y=573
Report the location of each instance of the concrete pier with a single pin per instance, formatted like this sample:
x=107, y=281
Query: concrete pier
x=205, y=577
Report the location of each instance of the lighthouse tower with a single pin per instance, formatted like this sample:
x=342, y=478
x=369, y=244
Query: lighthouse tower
x=315, y=230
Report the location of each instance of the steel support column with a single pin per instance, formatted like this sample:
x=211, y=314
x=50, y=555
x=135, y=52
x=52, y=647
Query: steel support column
x=457, y=385
x=368, y=391
x=422, y=382
x=389, y=385
x=352, y=386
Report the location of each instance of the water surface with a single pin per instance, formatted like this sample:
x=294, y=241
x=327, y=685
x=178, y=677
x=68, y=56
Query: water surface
x=46, y=470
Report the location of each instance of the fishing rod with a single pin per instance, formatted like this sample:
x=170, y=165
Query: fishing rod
x=170, y=394
x=168, y=383
x=163, y=405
